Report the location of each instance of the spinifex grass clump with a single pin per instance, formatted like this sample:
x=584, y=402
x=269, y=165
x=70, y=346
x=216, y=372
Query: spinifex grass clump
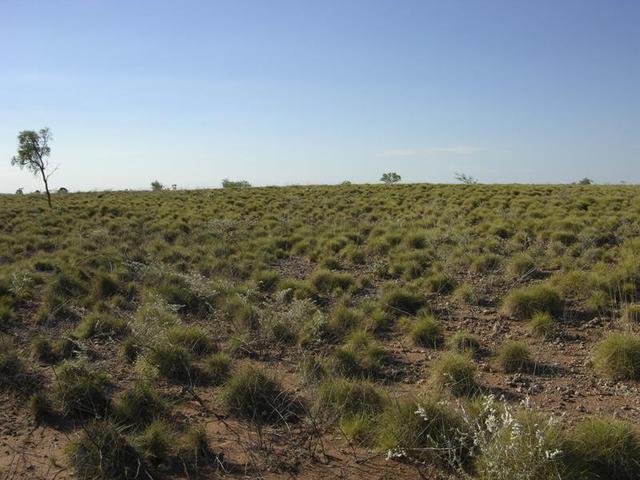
x=618, y=356
x=425, y=331
x=253, y=394
x=140, y=405
x=426, y=431
x=81, y=390
x=514, y=356
x=454, y=372
x=542, y=325
x=601, y=448
x=102, y=452
x=401, y=301
x=526, y=301
x=361, y=356
x=464, y=342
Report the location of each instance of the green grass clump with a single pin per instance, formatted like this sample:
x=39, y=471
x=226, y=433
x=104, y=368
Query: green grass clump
x=327, y=282
x=140, y=405
x=157, y=443
x=514, y=356
x=344, y=398
x=454, y=372
x=267, y=280
x=99, y=325
x=426, y=331
x=542, y=325
x=12, y=370
x=253, y=394
x=82, y=392
x=399, y=301
x=102, y=452
x=485, y=263
x=464, y=342
x=193, y=339
x=520, y=265
x=631, y=313
x=618, y=356
x=524, y=302
x=174, y=362
x=429, y=436
x=217, y=368
x=194, y=451
x=602, y=448
x=39, y=405
x=361, y=356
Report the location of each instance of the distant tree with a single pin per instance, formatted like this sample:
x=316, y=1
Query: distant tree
x=346, y=182
x=226, y=183
x=156, y=186
x=391, y=177
x=63, y=190
x=33, y=154
x=174, y=186
x=19, y=191
x=465, y=179
x=585, y=181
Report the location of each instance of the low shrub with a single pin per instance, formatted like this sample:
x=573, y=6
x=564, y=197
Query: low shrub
x=327, y=282
x=520, y=265
x=399, y=301
x=456, y=373
x=39, y=405
x=193, y=339
x=12, y=369
x=81, y=391
x=140, y=405
x=342, y=398
x=254, y=395
x=618, y=356
x=217, y=368
x=101, y=325
x=486, y=263
x=542, y=325
x=526, y=301
x=425, y=431
x=158, y=443
x=174, y=363
x=102, y=452
x=631, y=313
x=464, y=342
x=361, y=356
x=514, y=356
x=426, y=331
x=602, y=448
x=194, y=451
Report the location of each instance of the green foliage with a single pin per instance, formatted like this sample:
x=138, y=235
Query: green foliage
x=361, y=356
x=456, y=373
x=81, y=391
x=140, y=405
x=253, y=394
x=327, y=282
x=618, y=356
x=101, y=325
x=193, y=339
x=464, y=342
x=426, y=331
x=514, y=356
x=217, y=368
x=631, y=313
x=428, y=437
x=344, y=398
x=398, y=301
x=602, y=448
x=102, y=452
x=526, y=301
x=542, y=325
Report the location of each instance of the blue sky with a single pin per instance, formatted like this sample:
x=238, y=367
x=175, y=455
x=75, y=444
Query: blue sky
x=282, y=92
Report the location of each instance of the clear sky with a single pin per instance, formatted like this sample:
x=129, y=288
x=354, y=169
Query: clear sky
x=282, y=92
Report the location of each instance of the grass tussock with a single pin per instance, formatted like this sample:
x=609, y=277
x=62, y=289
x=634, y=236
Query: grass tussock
x=618, y=356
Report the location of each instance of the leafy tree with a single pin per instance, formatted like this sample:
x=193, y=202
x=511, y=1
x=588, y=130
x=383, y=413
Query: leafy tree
x=465, y=179
x=33, y=154
x=156, y=186
x=585, y=181
x=391, y=177
x=226, y=183
x=19, y=191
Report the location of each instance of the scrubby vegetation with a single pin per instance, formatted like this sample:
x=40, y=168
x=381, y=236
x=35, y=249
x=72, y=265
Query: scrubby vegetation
x=278, y=330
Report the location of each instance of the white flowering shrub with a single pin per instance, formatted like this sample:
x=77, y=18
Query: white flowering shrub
x=488, y=439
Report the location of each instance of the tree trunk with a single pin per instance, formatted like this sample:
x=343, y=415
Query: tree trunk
x=46, y=188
